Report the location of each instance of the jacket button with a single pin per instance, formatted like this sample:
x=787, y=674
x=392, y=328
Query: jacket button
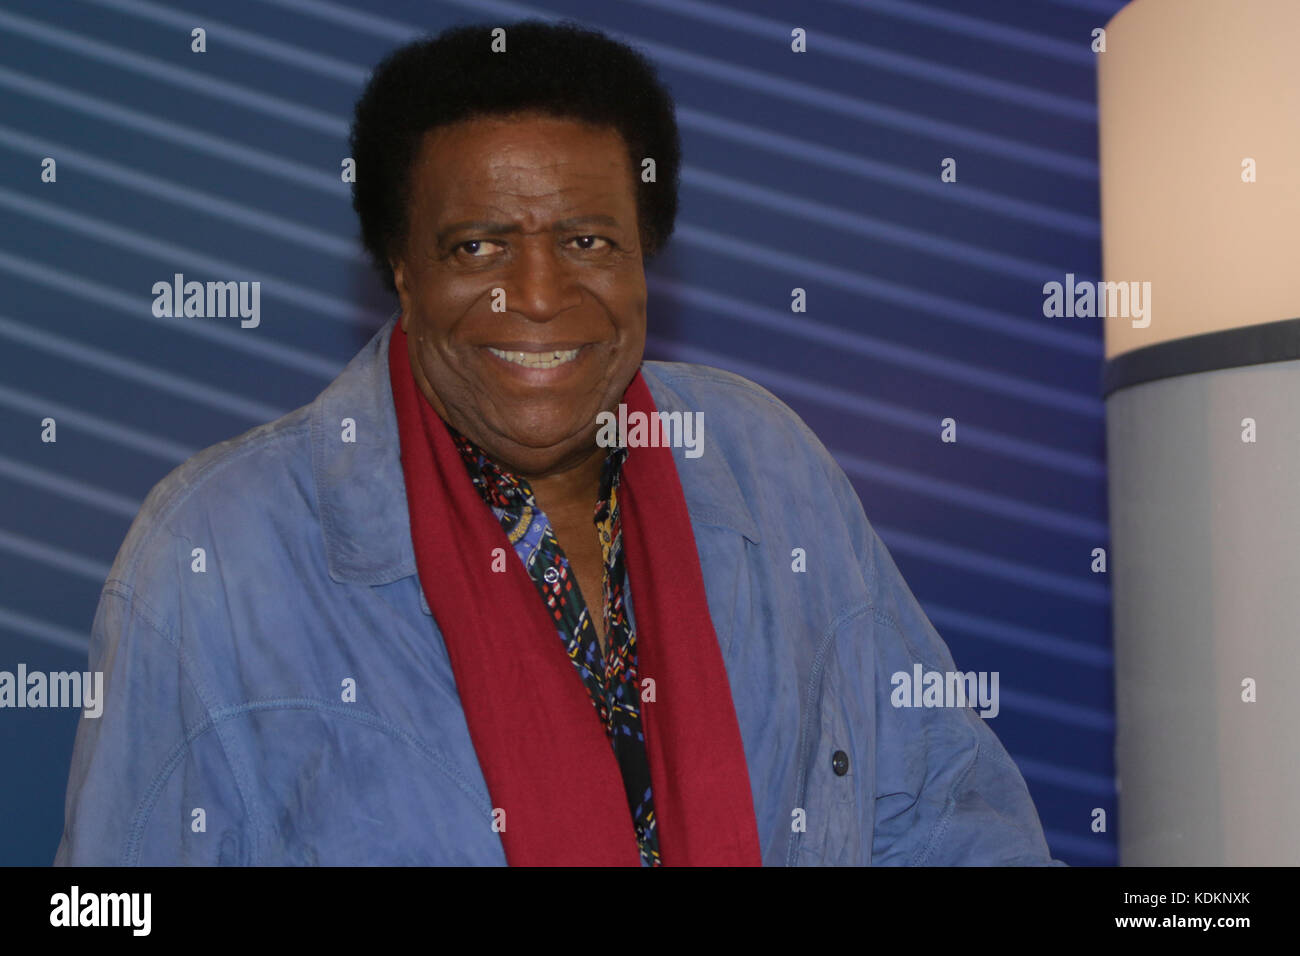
x=840, y=763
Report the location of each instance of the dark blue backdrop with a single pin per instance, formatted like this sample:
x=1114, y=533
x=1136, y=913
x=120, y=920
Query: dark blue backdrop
x=818, y=170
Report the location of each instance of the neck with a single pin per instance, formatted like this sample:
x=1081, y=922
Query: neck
x=574, y=487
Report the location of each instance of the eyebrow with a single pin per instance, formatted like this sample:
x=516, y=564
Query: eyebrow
x=490, y=228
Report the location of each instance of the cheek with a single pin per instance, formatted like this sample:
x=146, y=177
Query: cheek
x=442, y=311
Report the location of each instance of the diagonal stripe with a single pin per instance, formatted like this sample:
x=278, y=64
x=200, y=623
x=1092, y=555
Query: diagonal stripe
x=858, y=343
x=1065, y=777
x=1077, y=586
x=171, y=252
x=63, y=637
x=950, y=21
x=40, y=407
x=138, y=309
x=31, y=550
x=1107, y=8
x=1089, y=718
x=825, y=41
x=810, y=153
x=177, y=76
x=1101, y=847
x=1083, y=465
x=926, y=243
x=943, y=307
x=178, y=134
x=146, y=376
x=948, y=619
x=166, y=190
x=966, y=496
x=227, y=35
x=86, y=494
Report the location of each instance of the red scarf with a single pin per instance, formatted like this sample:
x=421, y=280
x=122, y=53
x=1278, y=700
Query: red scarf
x=542, y=749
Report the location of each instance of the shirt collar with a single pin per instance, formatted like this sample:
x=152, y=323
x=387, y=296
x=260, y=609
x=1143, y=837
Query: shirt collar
x=501, y=488
x=361, y=492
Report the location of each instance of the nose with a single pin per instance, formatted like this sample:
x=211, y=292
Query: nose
x=541, y=282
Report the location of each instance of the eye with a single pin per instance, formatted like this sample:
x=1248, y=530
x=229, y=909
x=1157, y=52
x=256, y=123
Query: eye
x=475, y=242
x=594, y=239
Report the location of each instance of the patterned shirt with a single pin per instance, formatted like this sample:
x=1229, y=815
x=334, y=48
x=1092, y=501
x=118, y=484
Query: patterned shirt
x=611, y=677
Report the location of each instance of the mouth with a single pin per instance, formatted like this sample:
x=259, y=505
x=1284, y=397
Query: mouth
x=551, y=358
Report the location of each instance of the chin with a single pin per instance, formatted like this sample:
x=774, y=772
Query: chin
x=558, y=442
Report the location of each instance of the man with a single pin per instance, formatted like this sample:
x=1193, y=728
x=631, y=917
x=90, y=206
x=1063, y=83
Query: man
x=504, y=593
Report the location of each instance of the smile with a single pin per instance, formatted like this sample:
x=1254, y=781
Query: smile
x=537, y=359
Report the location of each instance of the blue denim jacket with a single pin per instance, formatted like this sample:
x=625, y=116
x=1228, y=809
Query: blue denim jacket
x=277, y=691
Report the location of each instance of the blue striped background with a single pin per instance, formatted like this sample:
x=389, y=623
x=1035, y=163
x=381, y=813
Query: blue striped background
x=818, y=171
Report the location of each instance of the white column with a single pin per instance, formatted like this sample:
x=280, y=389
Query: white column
x=1205, y=548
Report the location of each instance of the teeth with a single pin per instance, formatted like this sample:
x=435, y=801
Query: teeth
x=537, y=359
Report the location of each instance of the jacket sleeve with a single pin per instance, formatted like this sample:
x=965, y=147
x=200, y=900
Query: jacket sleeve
x=149, y=783
x=947, y=792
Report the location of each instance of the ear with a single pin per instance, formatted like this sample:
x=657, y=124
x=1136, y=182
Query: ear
x=403, y=293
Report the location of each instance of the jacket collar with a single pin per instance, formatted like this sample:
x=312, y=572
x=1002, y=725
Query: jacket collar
x=361, y=493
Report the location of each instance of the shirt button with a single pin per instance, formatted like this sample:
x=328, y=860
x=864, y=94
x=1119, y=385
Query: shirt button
x=840, y=763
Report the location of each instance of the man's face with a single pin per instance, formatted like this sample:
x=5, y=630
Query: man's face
x=537, y=214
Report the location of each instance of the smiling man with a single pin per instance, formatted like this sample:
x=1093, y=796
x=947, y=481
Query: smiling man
x=500, y=213
x=434, y=618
